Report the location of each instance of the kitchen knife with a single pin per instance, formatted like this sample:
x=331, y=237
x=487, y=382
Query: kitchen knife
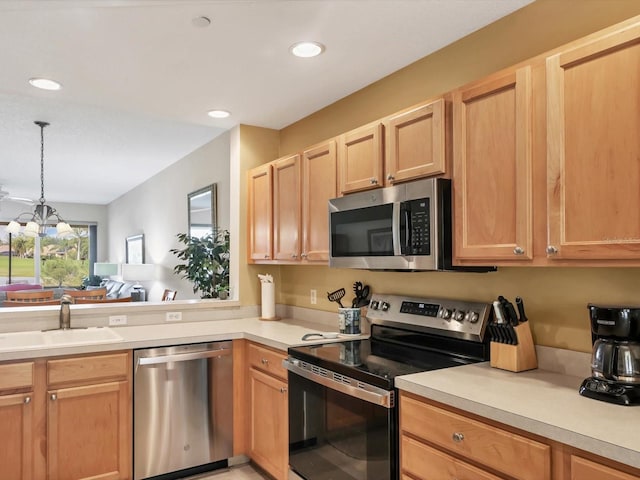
x=520, y=304
x=500, y=322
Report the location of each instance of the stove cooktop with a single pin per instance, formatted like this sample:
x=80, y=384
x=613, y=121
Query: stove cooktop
x=408, y=335
x=368, y=361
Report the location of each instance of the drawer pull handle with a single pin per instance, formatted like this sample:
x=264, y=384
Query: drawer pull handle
x=27, y=400
x=54, y=397
x=264, y=361
x=458, y=437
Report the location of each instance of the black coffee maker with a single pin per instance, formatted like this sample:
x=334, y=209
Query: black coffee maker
x=615, y=361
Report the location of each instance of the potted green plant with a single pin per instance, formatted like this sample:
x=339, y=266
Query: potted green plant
x=207, y=263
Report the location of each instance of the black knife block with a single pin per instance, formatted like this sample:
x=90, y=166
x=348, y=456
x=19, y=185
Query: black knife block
x=515, y=358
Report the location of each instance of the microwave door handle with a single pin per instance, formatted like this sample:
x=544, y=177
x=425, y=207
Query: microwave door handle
x=404, y=225
x=395, y=229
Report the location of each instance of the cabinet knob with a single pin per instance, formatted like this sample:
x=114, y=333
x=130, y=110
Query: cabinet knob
x=54, y=397
x=373, y=181
x=283, y=389
x=293, y=255
x=457, y=437
x=518, y=251
x=264, y=361
x=303, y=255
x=551, y=249
x=266, y=257
x=390, y=177
x=27, y=400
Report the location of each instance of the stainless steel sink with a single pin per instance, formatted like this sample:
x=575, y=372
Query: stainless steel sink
x=57, y=338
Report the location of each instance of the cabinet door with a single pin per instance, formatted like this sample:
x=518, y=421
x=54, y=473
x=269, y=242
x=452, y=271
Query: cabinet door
x=89, y=432
x=583, y=469
x=360, y=159
x=286, y=208
x=593, y=153
x=320, y=172
x=260, y=213
x=492, y=177
x=16, y=436
x=416, y=143
x=269, y=438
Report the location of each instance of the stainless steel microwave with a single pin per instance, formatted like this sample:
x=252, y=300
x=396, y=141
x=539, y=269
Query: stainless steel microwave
x=403, y=227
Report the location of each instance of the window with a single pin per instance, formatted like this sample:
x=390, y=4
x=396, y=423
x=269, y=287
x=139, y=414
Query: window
x=48, y=260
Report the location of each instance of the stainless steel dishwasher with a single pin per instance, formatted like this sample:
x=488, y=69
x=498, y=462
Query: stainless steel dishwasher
x=183, y=408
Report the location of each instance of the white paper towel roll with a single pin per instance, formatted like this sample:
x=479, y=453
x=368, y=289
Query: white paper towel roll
x=268, y=300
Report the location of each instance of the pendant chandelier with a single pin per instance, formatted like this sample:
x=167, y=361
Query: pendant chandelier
x=43, y=216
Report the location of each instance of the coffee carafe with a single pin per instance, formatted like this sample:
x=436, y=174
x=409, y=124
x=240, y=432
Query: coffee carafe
x=615, y=360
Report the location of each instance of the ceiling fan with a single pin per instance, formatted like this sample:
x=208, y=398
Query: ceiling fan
x=5, y=197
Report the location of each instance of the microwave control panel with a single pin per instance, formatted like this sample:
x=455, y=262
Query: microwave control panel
x=416, y=213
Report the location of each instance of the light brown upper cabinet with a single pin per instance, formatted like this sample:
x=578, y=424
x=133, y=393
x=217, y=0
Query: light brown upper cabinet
x=593, y=151
x=415, y=143
x=360, y=156
x=260, y=213
x=286, y=208
x=492, y=174
x=320, y=184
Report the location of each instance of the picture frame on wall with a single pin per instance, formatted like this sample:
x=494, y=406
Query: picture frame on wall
x=135, y=249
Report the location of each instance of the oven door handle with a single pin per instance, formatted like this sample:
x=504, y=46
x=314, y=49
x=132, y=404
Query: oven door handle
x=363, y=391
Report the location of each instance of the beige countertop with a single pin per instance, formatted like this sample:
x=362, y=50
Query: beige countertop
x=539, y=401
x=277, y=334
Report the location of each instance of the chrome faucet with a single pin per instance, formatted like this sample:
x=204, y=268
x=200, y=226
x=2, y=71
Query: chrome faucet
x=65, y=312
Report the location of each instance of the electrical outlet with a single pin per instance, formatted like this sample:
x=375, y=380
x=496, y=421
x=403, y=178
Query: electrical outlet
x=173, y=316
x=313, y=297
x=116, y=320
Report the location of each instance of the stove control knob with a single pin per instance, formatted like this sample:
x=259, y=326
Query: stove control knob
x=373, y=305
x=384, y=306
x=472, y=317
x=459, y=316
x=446, y=313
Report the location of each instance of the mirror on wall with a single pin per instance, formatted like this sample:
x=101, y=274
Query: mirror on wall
x=202, y=206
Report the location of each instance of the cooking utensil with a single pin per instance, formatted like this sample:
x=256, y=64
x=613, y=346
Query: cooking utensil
x=337, y=296
x=310, y=336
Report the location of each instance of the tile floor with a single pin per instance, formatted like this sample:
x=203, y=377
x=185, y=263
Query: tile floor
x=239, y=472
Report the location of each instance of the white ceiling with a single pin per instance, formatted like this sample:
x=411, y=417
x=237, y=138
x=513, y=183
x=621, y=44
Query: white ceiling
x=139, y=77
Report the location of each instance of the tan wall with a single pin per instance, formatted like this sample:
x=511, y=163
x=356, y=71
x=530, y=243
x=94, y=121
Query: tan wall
x=556, y=298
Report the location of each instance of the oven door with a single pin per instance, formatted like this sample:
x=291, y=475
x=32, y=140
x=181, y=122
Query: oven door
x=339, y=429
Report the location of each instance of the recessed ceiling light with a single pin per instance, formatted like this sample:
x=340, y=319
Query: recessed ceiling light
x=201, y=22
x=306, y=49
x=45, y=84
x=218, y=113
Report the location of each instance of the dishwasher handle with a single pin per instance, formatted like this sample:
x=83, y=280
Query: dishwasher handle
x=183, y=357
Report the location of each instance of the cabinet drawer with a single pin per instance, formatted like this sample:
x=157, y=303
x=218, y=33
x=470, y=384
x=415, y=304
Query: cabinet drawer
x=583, y=469
x=267, y=360
x=422, y=461
x=16, y=375
x=80, y=369
x=514, y=455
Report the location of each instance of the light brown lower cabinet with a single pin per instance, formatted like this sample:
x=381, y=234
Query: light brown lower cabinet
x=267, y=390
x=441, y=443
x=66, y=418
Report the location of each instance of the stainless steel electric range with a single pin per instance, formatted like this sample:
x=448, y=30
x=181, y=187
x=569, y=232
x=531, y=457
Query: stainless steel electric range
x=343, y=418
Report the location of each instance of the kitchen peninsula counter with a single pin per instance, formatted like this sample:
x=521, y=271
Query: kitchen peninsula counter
x=539, y=401
x=277, y=334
